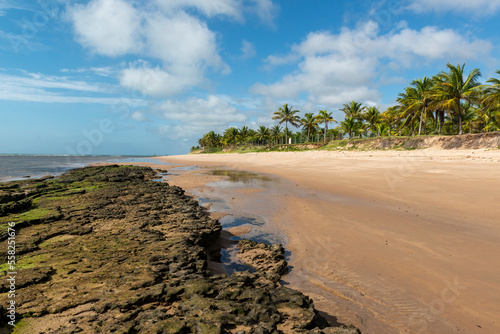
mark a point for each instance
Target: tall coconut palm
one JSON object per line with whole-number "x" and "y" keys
{"x": 407, "y": 114}
{"x": 350, "y": 125}
{"x": 276, "y": 133}
{"x": 492, "y": 93}
{"x": 244, "y": 134}
{"x": 418, "y": 100}
{"x": 308, "y": 123}
{"x": 230, "y": 136}
{"x": 353, "y": 109}
{"x": 391, "y": 118}
{"x": 288, "y": 115}
{"x": 325, "y": 117}
{"x": 382, "y": 129}
{"x": 288, "y": 133}
{"x": 372, "y": 116}
{"x": 262, "y": 134}
{"x": 453, "y": 88}
{"x": 469, "y": 115}
{"x": 210, "y": 139}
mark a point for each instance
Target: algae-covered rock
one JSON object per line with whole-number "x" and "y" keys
{"x": 268, "y": 259}
{"x": 107, "y": 249}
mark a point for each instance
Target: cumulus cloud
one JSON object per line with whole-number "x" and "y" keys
{"x": 478, "y": 7}
{"x": 183, "y": 43}
{"x": 195, "y": 116}
{"x": 156, "y": 82}
{"x": 247, "y": 49}
{"x": 337, "y": 68}
{"x": 107, "y": 27}
{"x": 180, "y": 44}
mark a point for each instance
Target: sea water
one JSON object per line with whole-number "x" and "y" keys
{"x": 15, "y": 167}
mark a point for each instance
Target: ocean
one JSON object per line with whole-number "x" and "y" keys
{"x": 16, "y": 167}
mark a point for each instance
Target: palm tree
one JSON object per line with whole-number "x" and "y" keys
{"x": 492, "y": 93}
{"x": 350, "y": 125}
{"x": 262, "y": 134}
{"x": 288, "y": 133}
{"x": 230, "y": 136}
{"x": 288, "y": 115}
{"x": 382, "y": 129}
{"x": 353, "y": 109}
{"x": 415, "y": 102}
{"x": 452, "y": 89}
{"x": 333, "y": 133}
{"x": 244, "y": 134}
{"x": 418, "y": 100}
{"x": 210, "y": 139}
{"x": 490, "y": 113}
{"x": 469, "y": 115}
{"x": 372, "y": 116}
{"x": 325, "y": 117}
{"x": 391, "y": 118}
{"x": 309, "y": 122}
{"x": 276, "y": 133}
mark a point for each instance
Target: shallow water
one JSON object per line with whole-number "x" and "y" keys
{"x": 236, "y": 176}
{"x": 219, "y": 201}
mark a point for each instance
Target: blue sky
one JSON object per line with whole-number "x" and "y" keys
{"x": 152, "y": 76}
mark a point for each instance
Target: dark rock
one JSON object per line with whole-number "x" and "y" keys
{"x": 107, "y": 249}
{"x": 268, "y": 259}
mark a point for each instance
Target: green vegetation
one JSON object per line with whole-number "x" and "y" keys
{"x": 26, "y": 262}
{"x": 450, "y": 103}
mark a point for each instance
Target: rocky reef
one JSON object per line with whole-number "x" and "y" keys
{"x": 107, "y": 249}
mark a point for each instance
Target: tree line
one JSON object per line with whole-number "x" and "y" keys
{"x": 451, "y": 102}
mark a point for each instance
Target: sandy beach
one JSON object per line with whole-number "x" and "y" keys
{"x": 390, "y": 241}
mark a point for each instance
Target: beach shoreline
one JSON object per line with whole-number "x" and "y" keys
{"x": 386, "y": 239}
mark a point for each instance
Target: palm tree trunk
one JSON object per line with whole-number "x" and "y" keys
{"x": 326, "y": 129}
{"x": 440, "y": 125}
{"x": 420, "y": 125}
{"x": 286, "y": 133}
{"x": 459, "y": 114}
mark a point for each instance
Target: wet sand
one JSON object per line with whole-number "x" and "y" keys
{"x": 393, "y": 242}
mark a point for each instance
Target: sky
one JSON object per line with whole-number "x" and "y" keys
{"x": 152, "y": 76}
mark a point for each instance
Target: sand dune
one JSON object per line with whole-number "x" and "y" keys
{"x": 391, "y": 241}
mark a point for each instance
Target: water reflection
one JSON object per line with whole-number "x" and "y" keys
{"x": 240, "y": 176}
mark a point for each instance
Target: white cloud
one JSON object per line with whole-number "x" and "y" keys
{"x": 41, "y": 81}
{"x": 9, "y": 4}
{"x": 101, "y": 71}
{"x": 478, "y": 7}
{"x": 138, "y": 116}
{"x": 183, "y": 43}
{"x": 266, "y": 10}
{"x": 35, "y": 87}
{"x": 196, "y": 116}
{"x": 247, "y": 49}
{"x": 155, "y": 81}
{"x": 230, "y": 8}
{"x": 107, "y": 27}
{"x": 337, "y": 68}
